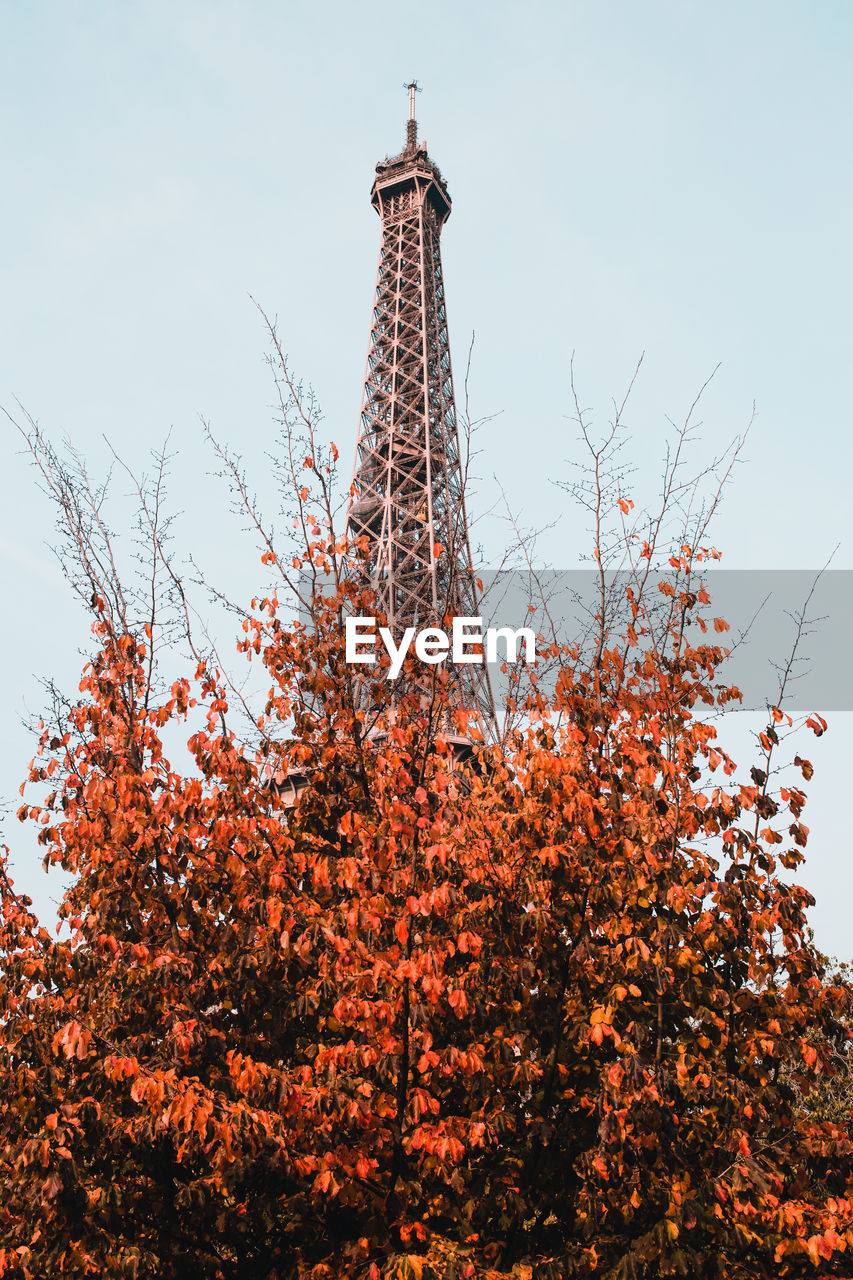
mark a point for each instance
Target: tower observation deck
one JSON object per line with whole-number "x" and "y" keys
{"x": 408, "y": 496}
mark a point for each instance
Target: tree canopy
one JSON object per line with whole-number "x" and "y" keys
{"x": 552, "y": 1013}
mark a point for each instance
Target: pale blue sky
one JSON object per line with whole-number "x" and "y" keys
{"x": 665, "y": 176}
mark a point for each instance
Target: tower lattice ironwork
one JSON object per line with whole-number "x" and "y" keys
{"x": 408, "y": 484}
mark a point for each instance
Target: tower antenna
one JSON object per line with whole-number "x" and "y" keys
{"x": 412, "y": 124}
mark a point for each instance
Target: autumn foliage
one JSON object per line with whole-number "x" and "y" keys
{"x": 553, "y": 1014}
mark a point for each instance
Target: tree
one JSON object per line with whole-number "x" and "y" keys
{"x": 553, "y": 1014}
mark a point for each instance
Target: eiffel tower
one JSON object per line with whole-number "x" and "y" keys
{"x": 408, "y": 496}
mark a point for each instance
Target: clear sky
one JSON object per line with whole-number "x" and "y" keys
{"x": 667, "y": 177}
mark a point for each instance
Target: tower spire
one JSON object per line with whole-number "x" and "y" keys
{"x": 408, "y": 487}
{"x": 412, "y": 124}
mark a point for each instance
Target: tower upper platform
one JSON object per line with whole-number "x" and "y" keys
{"x": 409, "y": 176}
{"x": 410, "y": 180}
